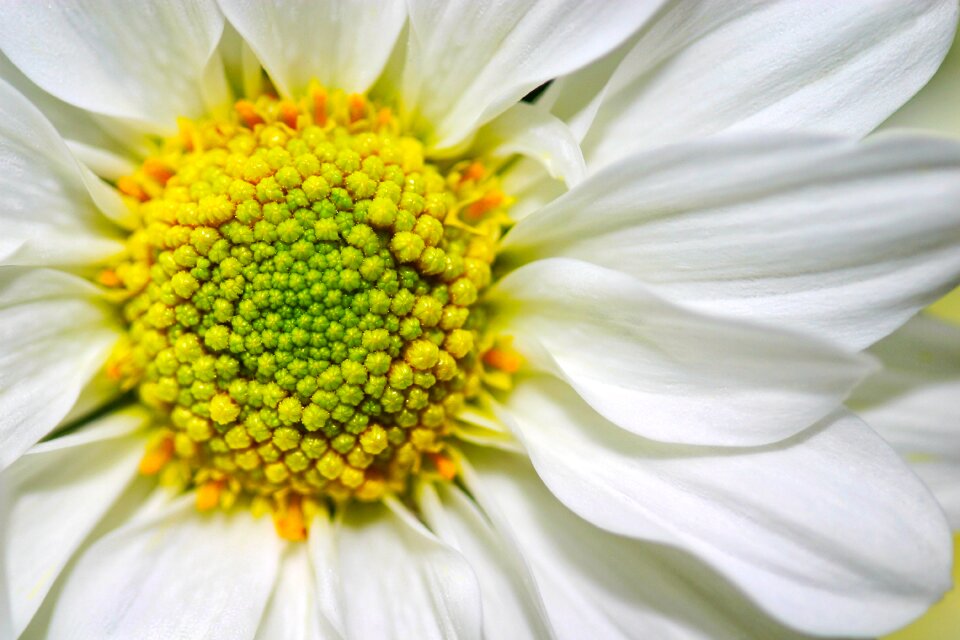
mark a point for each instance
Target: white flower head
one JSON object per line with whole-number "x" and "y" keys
{"x": 490, "y": 368}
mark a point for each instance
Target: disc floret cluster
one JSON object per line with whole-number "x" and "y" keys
{"x": 301, "y": 293}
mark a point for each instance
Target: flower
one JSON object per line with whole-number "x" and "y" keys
{"x": 650, "y": 441}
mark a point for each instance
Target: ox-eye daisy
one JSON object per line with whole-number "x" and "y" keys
{"x": 330, "y": 355}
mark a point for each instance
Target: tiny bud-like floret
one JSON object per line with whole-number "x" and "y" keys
{"x": 422, "y": 354}
{"x": 223, "y": 409}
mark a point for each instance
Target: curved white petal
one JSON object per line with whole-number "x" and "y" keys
{"x": 533, "y": 133}
{"x": 914, "y": 403}
{"x": 829, "y": 532}
{"x": 511, "y": 603}
{"x": 54, "y": 334}
{"x": 942, "y": 477}
{"x": 58, "y": 492}
{"x": 179, "y": 574}
{"x": 914, "y": 400}
{"x": 702, "y": 67}
{"x": 935, "y": 106}
{"x": 99, "y": 144}
{"x": 466, "y": 62}
{"x": 244, "y": 72}
{"x": 48, "y": 202}
{"x": 6, "y": 604}
{"x": 343, "y": 44}
{"x": 666, "y": 372}
{"x": 328, "y": 595}
{"x": 291, "y": 613}
{"x": 835, "y": 237}
{"x": 148, "y": 63}
{"x": 596, "y": 584}
{"x": 399, "y": 581}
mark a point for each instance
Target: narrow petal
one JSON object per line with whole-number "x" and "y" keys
{"x": 328, "y": 595}
{"x": 704, "y": 67}
{"x": 58, "y": 492}
{"x": 829, "y": 532}
{"x": 511, "y": 604}
{"x": 666, "y": 372}
{"x": 344, "y": 45}
{"x": 291, "y": 613}
{"x": 596, "y": 584}
{"x": 913, "y": 401}
{"x": 844, "y": 239}
{"x": 6, "y": 605}
{"x": 400, "y": 582}
{"x": 48, "y": 202}
{"x": 467, "y": 62}
{"x": 54, "y": 334}
{"x": 935, "y": 106}
{"x": 147, "y": 64}
{"x": 179, "y": 574}
{"x": 533, "y": 133}
{"x": 942, "y": 477}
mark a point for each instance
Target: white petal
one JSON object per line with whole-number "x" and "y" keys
{"x": 914, "y": 400}
{"x": 705, "y": 67}
{"x": 467, "y": 62}
{"x": 58, "y": 492}
{"x": 343, "y": 44}
{"x": 942, "y": 477}
{"x": 240, "y": 63}
{"x": 6, "y": 605}
{"x": 829, "y": 532}
{"x": 291, "y": 613}
{"x": 935, "y": 106}
{"x": 511, "y": 604}
{"x": 600, "y": 585}
{"x": 400, "y": 582}
{"x": 844, "y": 239}
{"x": 328, "y": 596}
{"x": 666, "y": 372}
{"x": 97, "y": 143}
{"x": 913, "y": 403}
{"x": 148, "y": 63}
{"x": 179, "y": 574}
{"x": 54, "y": 334}
{"x": 47, "y": 208}
{"x": 527, "y": 131}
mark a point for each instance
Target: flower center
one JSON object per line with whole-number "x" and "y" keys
{"x": 301, "y": 299}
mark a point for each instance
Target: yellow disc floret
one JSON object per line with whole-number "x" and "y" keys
{"x": 302, "y": 302}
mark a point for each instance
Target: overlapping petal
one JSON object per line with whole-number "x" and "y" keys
{"x": 913, "y": 403}
{"x": 172, "y": 574}
{"x": 512, "y": 605}
{"x": 48, "y": 202}
{"x": 54, "y": 335}
{"x": 291, "y": 613}
{"x": 342, "y": 44}
{"x": 399, "y": 581}
{"x": 466, "y": 62}
{"x": 147, "y": 64}
{"x": 596, "y": 584}
{"x": 793, "y": 525}
{"x": 103, "y": 145}
{"x": 58, "y": 492}
{"x": 664, "y": 371}
{"x": 702, "y": 67}
{"x": 935, "y": 106}
{"x": 843, "y": 239}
